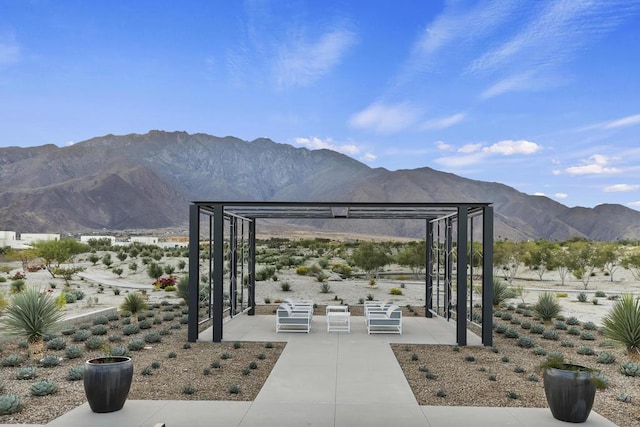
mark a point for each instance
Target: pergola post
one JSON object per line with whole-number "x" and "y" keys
{"x": 194, "y": 271}
{"x": 233, "y": 261}
{"x": 428, "y": 305}
{"x": 487, "y": 276}
{"x": 461, "y": 277}
{"x": 218, "y": 271}
{"x": 252, "y": 267}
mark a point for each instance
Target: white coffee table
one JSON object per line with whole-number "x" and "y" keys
{"x": 338, "y": 318}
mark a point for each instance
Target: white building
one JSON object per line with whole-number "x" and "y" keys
{"x": 28, "y": 238}
{"x": 145, "y": 240}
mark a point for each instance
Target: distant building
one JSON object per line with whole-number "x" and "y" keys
{"x": 145, "y": 240}
{"x": 8, "y": 235}
{"x": 28, "y": 238}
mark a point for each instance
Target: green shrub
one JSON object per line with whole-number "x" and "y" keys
{"x": 606, "y": 358}
{"x": 73, "y": 352}
{"x": 189, "y": 389}
{"x": 57, "y": 343}
{"x": 49, "y": 361}
{"x": 152, "y": 337}
{"x": 27, "y": 373}
{"x": 130, "y": 329}
{"x": 81, "y": 335}
{"x": 234, "y": 389}
{"x": 547, "y": 307}
{"x": 395, "y": 291}
{"x": 146, "y": 371}
{"x": 10, "y": 404}
{"x": 115, "y": 338}
{"x": 99, "y": 330}
{"x": 573, "y": 330}
{"x": 587, "y": 336}
{"x": 145, "y": 324}
{"x": 567, "y": 343}
{"x": 622, "y": 323}
{"x": 586, "y": 350}
{"x": 136, "y": 345}
{"x": 630, "y": 369}
{"x": 31, "y": 315}
{"x": 590, "y": 326}
{"x": 525, "y": 342}
{"x": 582, "y": 297}
{"x": 120, "y": 350}
{"x": 134, "y": 303}
{"x": 285, "y": 286}
{"x": 43, "y": 388}
{"x": 550, "y": 334}
{"x": 101, "y": 320}
{"x": 600, "y": 294}
{"x": 302, "y": 270}
{"x": 511, "y": 333}
{"x": 93, "y": 343}
{"x": 12, "y": 360}
{"x": 537, "y": 328}
{"x": 75, "y": 373}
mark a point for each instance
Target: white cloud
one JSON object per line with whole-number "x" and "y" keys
{"x": 561, "y": 195}
{"x": 300, "y": 63}
{"x": 518, "y": 82}
{"x": 594, "y": 165}
{"x": 352, "y": 150}
{"x": 634, "y": 204}
{"x": 616, "y": 123}
{"x": 386, "y": 118}
{"x": 557, "y": 172}
{"x": 470, "y": 148}
{"x": 443, "y": 146}
{"x": 461, "y": 161}
{"x": 443, "y": 122}
{"x": 621, "y": 188}
{"x": 510, "y": 147}
{"x": 538, "y": 194}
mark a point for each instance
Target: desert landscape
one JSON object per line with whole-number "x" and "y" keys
{"x": 504, "y": 375}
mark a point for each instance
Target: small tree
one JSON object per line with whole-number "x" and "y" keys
{"x": 154, "y": 270}
{"x": 58, "y": 251}
{"x": 370, "y": 257}
{"x": 117, "y": 271}
{"x": 414, "y": 256}
{"x": 106, "y": 260}
{"x": 631, "y": 261}
{"x": 121, "y": 256}
{"x": 93, "y": 259}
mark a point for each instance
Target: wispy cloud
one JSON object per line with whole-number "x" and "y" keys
{"x": 300, "y": 62}
{"x": 443, "y": 122}
{"x": 473, "y": 153}
{"x": 597, "y": 164}
{"x": 616, "y": 188}
{"x": 352, "y": 150}
{"x": 386, "y": 118}
{"x": 561, "y": 195}
{"x": 634, "y": 204}
{"x": 615, "y": 123}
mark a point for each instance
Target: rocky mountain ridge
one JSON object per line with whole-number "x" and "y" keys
{"x": 146, "y": 182}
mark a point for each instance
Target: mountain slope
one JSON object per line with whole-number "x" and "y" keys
{"x": 146, "y": 181}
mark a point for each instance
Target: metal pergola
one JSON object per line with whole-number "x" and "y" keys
{"x": 226, "y": 231}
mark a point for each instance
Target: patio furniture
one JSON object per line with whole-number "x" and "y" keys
{"x": 300, "y": 306}
{"x": 375, "y": 307}
{"x": 338, "y": 318}
{"x": 389, "y": 321}
{"x": 288, "y": 320}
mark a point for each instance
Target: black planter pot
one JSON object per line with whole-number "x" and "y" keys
{"x": 107, "y": 381}
{"x": 570, "y": 392}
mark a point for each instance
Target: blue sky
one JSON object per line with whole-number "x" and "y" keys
{"x": 543, "y": 96}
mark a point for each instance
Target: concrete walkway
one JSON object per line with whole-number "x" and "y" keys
{"x": 325, "y": 379}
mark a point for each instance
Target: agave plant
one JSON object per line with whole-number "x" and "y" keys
{"x": 31, "y": 315}
{"x": 134, "y": 303}
{"x": 622, "y": 323}
{"x": 547, "y": 307}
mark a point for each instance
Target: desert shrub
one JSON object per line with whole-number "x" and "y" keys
{"x": 547, "y": 307}
{"x": 73, "y": 352}
{"x": 75, "y": 373}
{"x": 500, "y": 292}
{"x": 120, "y": 350}
{"x": 50, "y": 361}
{"x": 630, "y": 369}
{"x": 537, "y": 328}
{"x": 600, "y": 294}
{"x": 101, "y": 320}
{"x": 134, "y": 303}
{"x": 550, "y": 334}
{"x": 130, "y": 329}
{"x": 234, "y": 389}
{"x": 43, "y": 388}
{"x": 525, "y": 325}
{"x": 68, "y": 331}
{"x": 152, "y": 337}
{"x": 567, "y": 343}
{"x": 10, "y": 404}
{"x": 99, "y": 330}
{"x": 511, "y": 333}
{"x": 31, "y": 315}
{"x": 57, "y": 343}
{"x": 302, "y": 270}
{"x": 561, "y": 326}
{"x": 589, "y": 326}
{"x": 17, "y": 286}
{"x": 136, "y": 345}
{"x": 622, "y": 323}
{"x": 395, "y": 291}
{"x": 285, "y": 286}
{"x": 189, "y": 389}
{"x": 525, "y": 341}
{"x": 606, "y": 358}
{"x": 507, "y": 316}
{"x": 539, "y": 351}
{"x": 573, "y": 330}
{"x": 325, "y": 288}
{"x": 145, "y": 324}
{"x": 587, "y": 336}
{"x": 582, "y": 297}
{"x": 93, "y": 343}
{"x": 501, "y": 328}
{"x": 27, "y": 373}
{"x": 585, "y": 350}
{"x": 81, "y": 335}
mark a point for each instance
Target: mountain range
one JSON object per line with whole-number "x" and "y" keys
{"x": 124, "y": 182}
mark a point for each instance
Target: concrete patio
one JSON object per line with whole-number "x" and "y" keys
{"x": 325, "y": 379}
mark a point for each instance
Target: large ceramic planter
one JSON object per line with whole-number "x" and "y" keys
{"x": 107, "y": 381}
{"x": 570, "y": 392}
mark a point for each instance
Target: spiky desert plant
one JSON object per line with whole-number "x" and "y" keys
{"x": 10, "y": 404}
{"x": 31, "y": 315}
{"x": 547, "y": 307}
{"x": 134, "y": 303}
{"x": 43, "y": 388}
{"x": 622, "y": 324}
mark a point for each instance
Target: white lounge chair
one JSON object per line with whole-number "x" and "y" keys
{"x": 288, "y": 320}
{"x": 375, "y": 307}
{"x": 389, "y": 321}
{"x": 300, "y": 306}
